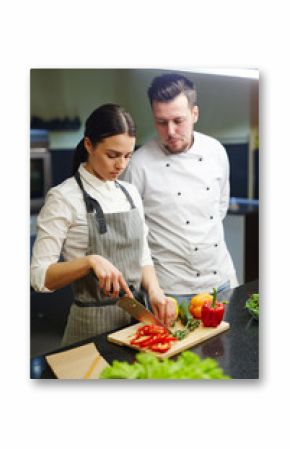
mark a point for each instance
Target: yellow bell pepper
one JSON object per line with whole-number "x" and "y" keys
{"x": 176, "y": 305}
{"x": 197, "y": 302}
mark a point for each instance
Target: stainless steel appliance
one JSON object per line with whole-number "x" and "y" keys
{"x": 40, "y": 170}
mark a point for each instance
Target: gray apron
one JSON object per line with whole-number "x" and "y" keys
{"x": 117, "y": 237}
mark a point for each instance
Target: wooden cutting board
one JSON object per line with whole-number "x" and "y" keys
{"x": 83, "y": 362}
{"x": 195, "y": 337}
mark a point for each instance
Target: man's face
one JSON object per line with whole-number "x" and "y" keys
{"x": 174, "y": 121}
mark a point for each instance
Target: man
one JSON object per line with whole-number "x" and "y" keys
{"x": 183, "y": 178}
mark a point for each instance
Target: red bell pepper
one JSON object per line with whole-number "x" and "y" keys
{"x": 212, "y": 313}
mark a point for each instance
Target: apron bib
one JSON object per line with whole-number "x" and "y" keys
{"x": 117, "y": 237}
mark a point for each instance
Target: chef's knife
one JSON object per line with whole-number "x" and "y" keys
{"x": 138, "y": 311}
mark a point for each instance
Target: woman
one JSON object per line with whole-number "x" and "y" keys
{"x": 97, "y": 224}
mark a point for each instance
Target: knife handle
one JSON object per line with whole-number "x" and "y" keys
{"x": 123, "y": 293}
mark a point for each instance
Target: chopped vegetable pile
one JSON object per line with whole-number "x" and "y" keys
{"x": 147, "y": 366}
{"x": 153, "y": 337}
{"x": 252, "y": 305}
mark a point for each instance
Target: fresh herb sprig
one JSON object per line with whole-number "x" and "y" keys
{"x": 190, "y": 326}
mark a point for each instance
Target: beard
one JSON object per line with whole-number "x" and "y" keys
{"x": 182, "y": 147}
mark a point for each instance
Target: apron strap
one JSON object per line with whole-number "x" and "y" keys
{"x": 127, "y": 195}
{"x": 92, "y": 205}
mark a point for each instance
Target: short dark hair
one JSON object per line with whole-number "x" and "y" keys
{"x": 106, "y": 121}
{"x": 166, "y": 87}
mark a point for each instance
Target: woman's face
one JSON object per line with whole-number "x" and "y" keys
{"x": 109, "y": 158}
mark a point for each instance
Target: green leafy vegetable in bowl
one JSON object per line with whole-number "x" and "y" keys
{"x": 147, "y": 366}
{"x": 252, "y": 305}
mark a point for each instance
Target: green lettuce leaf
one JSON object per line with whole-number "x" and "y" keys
{"x": 147, "y": 366}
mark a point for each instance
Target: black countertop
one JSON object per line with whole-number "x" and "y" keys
{"x": 236, "y": 350}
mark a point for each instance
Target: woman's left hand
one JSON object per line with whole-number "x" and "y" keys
{"x": 163, "y": 308}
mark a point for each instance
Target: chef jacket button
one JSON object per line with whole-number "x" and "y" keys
{"x": 208, "y": 188}
{"x": 200, "y": 159}
{"x": 187, "y": 222}
{"x": 211, "y": 217}
{"x": 167, "y": 165}
{"x": 196, "y": 248}
{"x": 197, "y": 274}
{"x": 215, "y": 272}
{"x": 215, "y": 244}
{"x": 179, "y": 193}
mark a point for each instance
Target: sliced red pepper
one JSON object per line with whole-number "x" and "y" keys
{"x": 148, "y": 342}
{"x": 143, "y": 330}
{"x": 137, "y": 340}
{"x": 145, "y": 341}
{"x": 155, "y": 338}
{"x": 164, "y": 338}
{"x": 151, "y": 330}
{"x": 160, "y": 347}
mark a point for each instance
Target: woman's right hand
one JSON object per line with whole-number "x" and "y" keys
{"x": 111, "y": 280}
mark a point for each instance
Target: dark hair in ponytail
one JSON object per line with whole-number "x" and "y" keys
{"x": 106, "y": 121}
{"x": 80, "y": 155}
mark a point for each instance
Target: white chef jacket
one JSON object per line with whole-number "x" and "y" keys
{"x": 62, "y": 224}
{"x": 185, "y": 198}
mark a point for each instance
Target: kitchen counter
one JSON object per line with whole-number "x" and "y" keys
{"x": 236, "y": 350}
{"x": 243, "y": 206}
{"x": 241, "y": 229}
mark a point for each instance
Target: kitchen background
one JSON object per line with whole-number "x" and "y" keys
{"x": 61, "y": 100}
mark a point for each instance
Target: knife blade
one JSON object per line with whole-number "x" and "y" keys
{"x": 138, "y": 311}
